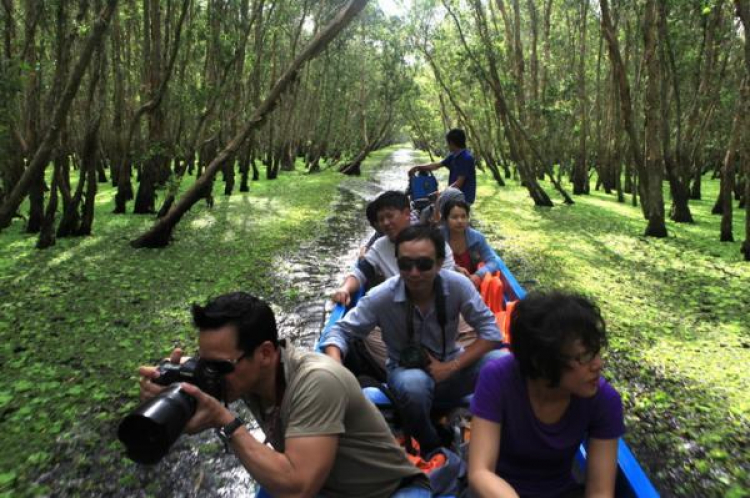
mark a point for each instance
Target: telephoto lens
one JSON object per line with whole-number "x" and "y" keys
{"x": 151, "y": 429}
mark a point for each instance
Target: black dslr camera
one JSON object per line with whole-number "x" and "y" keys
{"x": 149, "y": 431}
{"x": 413, "y": 356}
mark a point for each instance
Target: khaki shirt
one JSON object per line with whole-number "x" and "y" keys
{"x": 323, "y": 398}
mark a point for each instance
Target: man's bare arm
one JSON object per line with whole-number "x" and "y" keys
{"x": 299, "y": 472}
{"x": 343, "y": 294}
{"x": 425, "y": 167}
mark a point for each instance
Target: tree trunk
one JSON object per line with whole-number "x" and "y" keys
{"x": 689, "y": 154}
{"x": 41, "y": 157}
{"x": 728, "y": 170}
{"x": 71, "y": 216}
{"x": 646, "y": 176}
{"x": 32, "y": 117}
{"x": 580, "y": 170}
{"x": 89, "y": 160}
{"x": 513, "y": 133}
{"x": 743, "y": 12}
{"x": 245, "y": 158}
{"x": 654, "y": 161}
{"x": 152, "y": 173}
{"x": 116, "y": 148}
{"x": 676, "y": 173}
{"x": 160, "y": 234}
{"x": 47, "y": 230}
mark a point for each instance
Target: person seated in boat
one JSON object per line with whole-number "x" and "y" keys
{"x": 431, "y": 215}
{"x": 532, "y": 409}
{"x": 417, "y": 312}
{"x": 392, "y": 215}
{"x": 473, "y": 255}
{"x": 459, "y": 162}
{"x": 326, "y": 438}
{"x": 372, "y": 219}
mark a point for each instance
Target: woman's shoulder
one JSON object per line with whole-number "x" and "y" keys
{"x": 474, "y": 235}
{"x": 607, "y": 394}
{"x": 504, "y": 368}
{"x": 607, "y": 418}
{"x": 605, "y": 403}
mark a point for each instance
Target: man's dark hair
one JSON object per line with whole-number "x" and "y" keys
{"x": 457, "y": 137}
{"x": 390, "y": 199}
{"x": 450, "y": 205}
{"x": 372, "y": 216}
{"x": 253, "y": 318}
{"x": 423, "y": 232}
{"x": 545, "y": 323}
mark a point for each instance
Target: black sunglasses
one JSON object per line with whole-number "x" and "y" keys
{"x": 220, "y": 367}
{"x": 422, "y": 264}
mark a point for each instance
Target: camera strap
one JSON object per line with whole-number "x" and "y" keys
{"x": 273, "y": 416}
{"x": 439, "y": 311}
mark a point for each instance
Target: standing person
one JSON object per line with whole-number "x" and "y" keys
{"x": 533, "y": 409}
{"x": 418, "y": 313}
{"x": 470, "y": 248}
{"x": 459, "y": 162}
{"x": 326, "y": 438}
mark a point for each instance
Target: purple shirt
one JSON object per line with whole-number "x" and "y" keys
{"x": 536, "y": 458}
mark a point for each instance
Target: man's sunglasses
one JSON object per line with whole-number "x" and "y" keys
{"x": 422, "y": 264}
{"x": 220, "y": 367}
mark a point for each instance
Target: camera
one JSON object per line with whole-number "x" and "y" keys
{"x": 413, "y": 356}
{"x": 151, "y": 429}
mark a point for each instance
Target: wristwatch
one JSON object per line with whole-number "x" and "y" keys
{"x": 225, "y": 433}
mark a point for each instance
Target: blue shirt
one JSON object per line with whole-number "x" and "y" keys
{"x": 461, "y": 163}
{"x": 386, "y": 306}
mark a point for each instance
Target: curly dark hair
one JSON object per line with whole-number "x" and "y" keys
{"x": 545, "y": 323}
{"x": 253, "y": 318}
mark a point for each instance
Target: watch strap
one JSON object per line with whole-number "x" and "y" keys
{"x": 225, "y": 433}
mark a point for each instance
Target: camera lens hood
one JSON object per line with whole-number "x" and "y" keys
{"x": 151, "y": 429}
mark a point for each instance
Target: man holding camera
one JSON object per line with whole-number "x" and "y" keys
{"x": 327, "y": 438}
{"x": 418, "y": 312}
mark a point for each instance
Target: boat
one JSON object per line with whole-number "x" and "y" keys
{"x": 499, "y": 295}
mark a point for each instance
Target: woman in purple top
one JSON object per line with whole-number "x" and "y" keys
{"x": 532, "y": 409}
